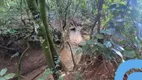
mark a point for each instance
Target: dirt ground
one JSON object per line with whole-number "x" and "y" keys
{"x": 34, "y": 64}
{"x": 33, "y": 59}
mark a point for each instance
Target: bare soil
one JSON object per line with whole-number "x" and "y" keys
{"x": 34, "y": 64}
{"x": 33, "y": 59}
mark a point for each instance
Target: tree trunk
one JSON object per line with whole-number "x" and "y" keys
{"x": 44, "y": 33}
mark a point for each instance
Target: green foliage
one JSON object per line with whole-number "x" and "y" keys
{"x": 122, "y": 28}
{"x": 71, "y": 8}
{"x": 129, "y": 54}
{"x": 46, "y": 73}
{"x": 6, "y": 76}
{"x": 60, "y": 78}
{"x": 8, "y": 31}
{"x": 119, "y": 36}
{"x": 9, "y": 11}
{"x": 95, "y": 48}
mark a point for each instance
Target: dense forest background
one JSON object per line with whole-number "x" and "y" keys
{"x": 68, "y": 39}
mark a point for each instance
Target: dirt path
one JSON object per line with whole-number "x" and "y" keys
{"x": 33, "y": 59}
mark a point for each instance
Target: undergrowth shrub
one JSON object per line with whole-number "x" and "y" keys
{"x": 6, "y": 76}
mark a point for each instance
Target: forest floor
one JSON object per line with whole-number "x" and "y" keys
{"x": 34, "y": 63}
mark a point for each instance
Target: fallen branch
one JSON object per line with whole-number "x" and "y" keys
{"x": 100, "y": 4}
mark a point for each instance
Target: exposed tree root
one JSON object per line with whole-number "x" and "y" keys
{"x": 19, "y": 63}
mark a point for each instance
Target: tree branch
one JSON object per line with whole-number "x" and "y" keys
{"x": 100, "y": 5}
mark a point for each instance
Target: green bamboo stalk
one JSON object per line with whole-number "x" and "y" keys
{"x": 44, "y": 19}
{"x": 48, "y": 35}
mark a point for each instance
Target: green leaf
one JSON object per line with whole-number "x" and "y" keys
{"x": 85, "y": 47}
{"x": 105, "y": 6}
{"x": 99, "y": 36}
{"x": 79, "y": 51}
{"x": 129, "y": 54}
{"x": 9, "y": 76}
{"x": 83, "y": 2}
{"x": 100, "y": 45}
{"x": 60, "y": 78}
{"x": 90, "y": 42}
{"x": 11, "y": 31}
{"x": 3, "y": 71}
{"x": 82, "y": 43}
{"x": 109, "y": 31}
{"x": 1, "y": 2}
{"x": 1, "y": 78}
{"x": 108, "y": 44}
{"x": 40, "y": 79}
